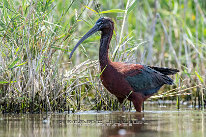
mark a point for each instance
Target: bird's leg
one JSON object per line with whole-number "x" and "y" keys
{"x": 138, "y": 105}
{"x": 137, "y": 100}
{"x": 121, "y": 100}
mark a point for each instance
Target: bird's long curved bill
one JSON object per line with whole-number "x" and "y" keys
{"x": 89, "y": 33}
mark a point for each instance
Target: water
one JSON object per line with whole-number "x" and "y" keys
{"x": 157, "y": 121}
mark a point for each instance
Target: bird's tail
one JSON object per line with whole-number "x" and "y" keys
{"x": 165, "y": 71}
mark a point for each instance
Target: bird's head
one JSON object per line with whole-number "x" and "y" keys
{"x": 102, "y": 24}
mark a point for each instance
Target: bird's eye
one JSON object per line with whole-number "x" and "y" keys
{"x": 100, "y": 23}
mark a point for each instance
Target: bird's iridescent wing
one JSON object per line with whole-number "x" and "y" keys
{"x": 147, "y": 80}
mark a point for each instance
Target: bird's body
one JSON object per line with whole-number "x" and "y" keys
{"x": 114, "y": 80}
{"x": 132, "y": 81}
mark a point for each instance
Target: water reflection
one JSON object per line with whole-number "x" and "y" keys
{"x": 159, "y": 122}
{"x": 138, "y": 127}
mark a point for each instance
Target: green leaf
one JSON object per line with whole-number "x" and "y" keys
{"x": 132, "y": 6}
{"x": 120, "y": 18}
{"x": 186, "y": 72}
{"x": 112, "y": 11}
{"x": 107, "y": 11}
{"x": 91, "y": 9}
{"x": 6, "y": 4}
{"x": 13, "y": 63}
{"x": 5, "y": 82}
{"x": 199, "y": 77}
{"x": 175, "y": 8}
{"x": 16, "y": 50}
{"x": 21, "y": 64}
{"x": 44, "y": 68}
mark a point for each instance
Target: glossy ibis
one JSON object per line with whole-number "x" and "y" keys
{"x": 132, "y": 81}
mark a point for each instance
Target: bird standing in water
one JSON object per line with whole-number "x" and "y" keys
{"x": 134, "y": 82}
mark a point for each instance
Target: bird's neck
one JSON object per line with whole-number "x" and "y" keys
{"x": 104, "y": 46}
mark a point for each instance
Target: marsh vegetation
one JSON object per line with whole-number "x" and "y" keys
{"x": 36, "y": 38}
